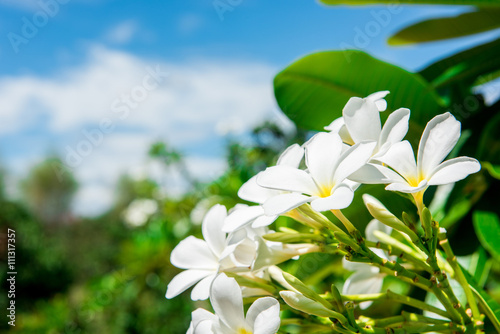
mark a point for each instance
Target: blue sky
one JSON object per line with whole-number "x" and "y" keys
{"x": 64, "y": 74}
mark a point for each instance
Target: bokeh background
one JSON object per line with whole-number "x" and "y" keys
{"x": 122, "y": 122}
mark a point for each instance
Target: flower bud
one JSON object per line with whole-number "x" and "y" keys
{"x": 303, "y": 289}
{"x": 380, "y": 212}
{"x": 288, "y": 238}
{"x": 299, "y": 302}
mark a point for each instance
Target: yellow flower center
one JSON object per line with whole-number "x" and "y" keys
{"x": 243, "y": 331}
{"x": 412, "y": 181}
{"x": 324, "y": 191}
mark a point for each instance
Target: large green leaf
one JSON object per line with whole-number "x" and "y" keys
{"x": 464, "y": 67}
{"x": 414, "y": 2}
{"x": 313, "y": 90}
{"x": 487, "y": 226}
{"x": 469, "y": 23}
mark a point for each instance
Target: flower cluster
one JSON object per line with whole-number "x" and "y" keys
{"x": 322, "y": 175}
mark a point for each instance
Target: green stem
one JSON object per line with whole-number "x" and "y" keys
{"x": 417, "y": 280}
{"x": 392, "y": 296}
{"x": 405, "y": 251}
{"x": 413, "y": 323}
{"x": 444, "y": 284}
{"x": 459, "y": 275}
{"x": 353, "y": 231}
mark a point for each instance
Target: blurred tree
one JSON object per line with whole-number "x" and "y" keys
{"x": 2, "y": 182}
{"x": 49, "y": 190}
{"x": 171, "y": 159}
{"x": 42, "y": 267}
{"x": 128, "y": 189}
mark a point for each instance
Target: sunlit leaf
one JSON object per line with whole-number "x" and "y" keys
{"x": 469, "y": 23}
{"x": 313, "y": 90}
{"x": 487, "y": 226}
{"x": 466, "y": 67}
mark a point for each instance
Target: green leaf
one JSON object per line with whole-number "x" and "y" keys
{"x": 486, "y": 78}
{"x": 480, "y": 20}
{"x": 466, "y": 67}
{"x": 479, "y": 266}
{"x": 487, "y": 226}
{"x": 414, "y": 2}
{"x": 313, "y": 90}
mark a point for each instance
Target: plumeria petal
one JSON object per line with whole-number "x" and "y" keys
{"x": 184, "y": 281}
{"x": 201, "y": 291}
{"x": 287, "y": 179}
{"x": 268, "y": 254}
{"x": 264, "y": 220}
{"x": 406, "y": 188}
{"x": 378, "y": 98}
{"x": 244, "y": 253}
{"x": 264, "y": 316}
{"x": 391, "y": 176}
{"x": 375, "y": 225}
{"x": 335, "y": 125}
{"x": 284, "y": 203}
{"x": 212, "y": 228}
{"x": 226, "y": 300}
{"x": 252, "y": 192}
{"x": 362, "y": 119}
{"x": 454, "y": 170}
{"x": 354, "y": 266}
{"x": 341, "y": 198}
{"x": 206, "y": 327}
{"x": 202, "y": 320}
{"x": 395, "y": 128}
{"x": 439, "y": 137}
{"x": 353, "y": 159}
{"x": 338, "y": 126}
{"x": 241, "y": 217}
{"x": 292, "y": 156}
{"x": 400, "y": 157}
{"x": 363, "y": 282}
{"x": 193, "y": 253}
{"x": 322, "y": 154}
{"x": 372, "y": 174}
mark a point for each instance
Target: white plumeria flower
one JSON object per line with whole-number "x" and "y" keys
{"x": 360, "y": 121}
{"x": 366, "y": 279}
{"x": 438, "y": 139}
{"x": 252, "y": 192}
{"x": 248, "y": 249}
{"x": 225, "y": 296}
{"x": 324, "y": 183}
{"x": 270, "y": 253}
{"x": 203, "y": 259}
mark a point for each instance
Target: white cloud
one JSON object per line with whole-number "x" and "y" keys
{"x": 123, "y": 32}
{"x": 192, "y": 108}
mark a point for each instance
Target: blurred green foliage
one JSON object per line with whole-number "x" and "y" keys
{"x": 83, "y": 275}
